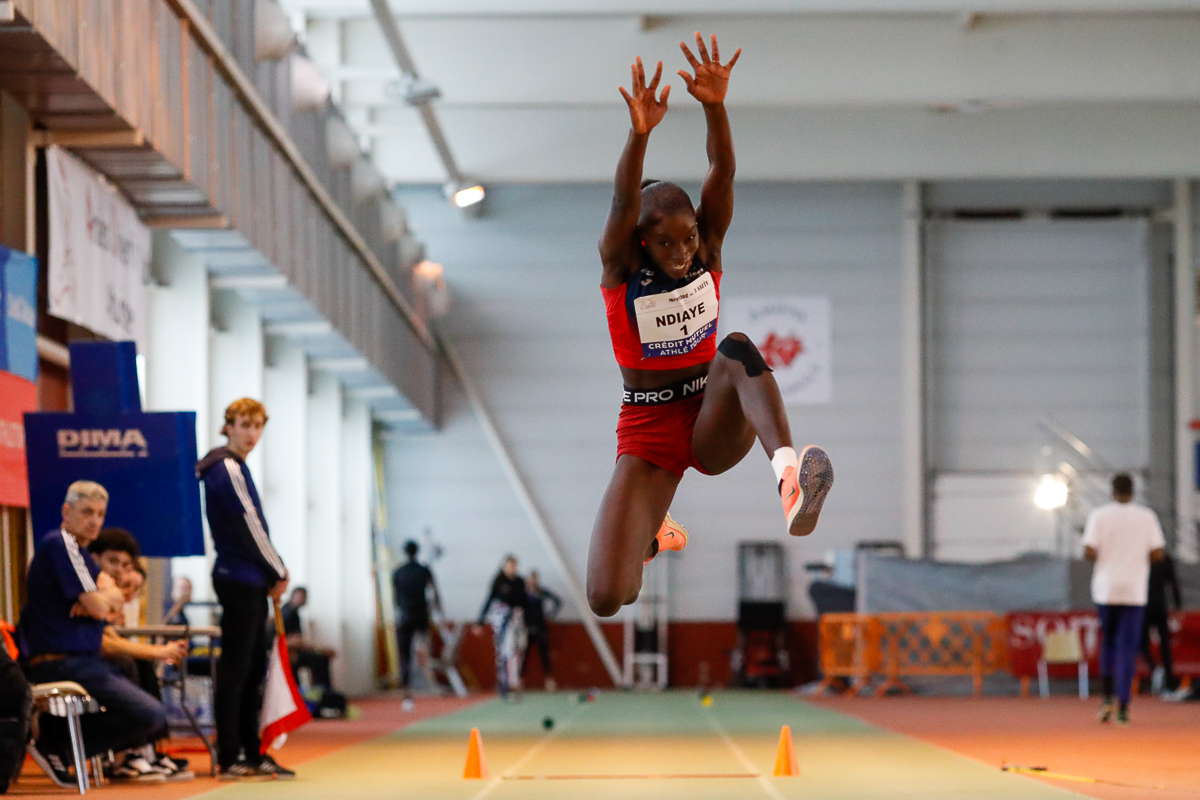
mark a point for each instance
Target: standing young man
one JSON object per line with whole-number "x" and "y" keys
{"x": 246, "y": 574}
{"x": 1121, "y": 538}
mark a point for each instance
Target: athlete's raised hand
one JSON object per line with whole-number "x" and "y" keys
{"x": 711, "y": 80}
{"x": 645, "y": 111}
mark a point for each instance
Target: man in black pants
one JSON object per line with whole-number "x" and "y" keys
{"x": 410, "y": 581}
{"x": 1162, "y": 576}
{"x": 538, "y": 631}
{"x": 247, "y": 573}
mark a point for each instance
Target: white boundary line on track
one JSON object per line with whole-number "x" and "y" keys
{"x": 763, "y": 780}
{"x": 537, "y": 747}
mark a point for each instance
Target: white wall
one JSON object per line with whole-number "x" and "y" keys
{"x": 177, "y": 363}
{"x": 528, "y": 321}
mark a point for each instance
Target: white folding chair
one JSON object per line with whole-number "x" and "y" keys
{"x": 1062, "y": 648}
{"x": 69, "y": 699}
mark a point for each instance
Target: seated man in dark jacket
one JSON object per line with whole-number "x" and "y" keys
{"x": 69, "y": 604}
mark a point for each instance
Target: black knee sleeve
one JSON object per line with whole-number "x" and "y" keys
{"x": 744, "y": 351}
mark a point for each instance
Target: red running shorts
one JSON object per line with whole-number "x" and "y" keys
{"x": 661, "y": 434}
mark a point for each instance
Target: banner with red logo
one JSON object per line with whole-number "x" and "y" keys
{"x": 794, "y": 335}
{"x": 17, "y": 396}
{"x": 1027, "y": 631}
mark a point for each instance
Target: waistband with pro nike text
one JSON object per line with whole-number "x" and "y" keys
{"x": 665, "y": 394}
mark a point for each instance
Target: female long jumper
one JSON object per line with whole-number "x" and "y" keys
{"x": 688, "y": 402}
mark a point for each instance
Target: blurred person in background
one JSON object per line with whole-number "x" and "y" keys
{"x": 1162, "y": 578}
{"x": 247, "y": 575}
{"x": 541, "y": 605}
{"x": 310, "y": 661}
{"x": 117, "y": 552}
{"x": 504, "y": 608}
{"x": 1121, "y": 538}
{"x": 412, "y": 585}
{"x": 16, "y": 708}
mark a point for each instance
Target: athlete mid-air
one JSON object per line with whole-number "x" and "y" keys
{"x": 688, "y": 401}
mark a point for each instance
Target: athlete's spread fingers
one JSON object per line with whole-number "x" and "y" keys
{"x": 687, "y": 81}
{"x": 688, "y": 55}
{"x": 625, "y": 94}
{"x": 700, "y": 46}
{"x": 662, "y": 99}
{"x": 641, "y": 73}
{"x": 716, "y": 51}
{"x": 733, "y": 60}
{"x": 657, "y": 76}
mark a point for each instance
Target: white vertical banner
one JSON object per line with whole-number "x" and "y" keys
{"x": 794, "y": 335}
{"x": 99, "y": 252}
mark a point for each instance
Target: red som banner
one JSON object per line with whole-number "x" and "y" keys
{"x": 1027, "y": 630}
{"x": 17, "y": 396}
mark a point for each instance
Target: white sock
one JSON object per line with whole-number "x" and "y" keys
{"x": 784, "y": 457}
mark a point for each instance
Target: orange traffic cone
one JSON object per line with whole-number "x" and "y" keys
{"x": 476, "y": 764}
{"x": 785, "y": 757}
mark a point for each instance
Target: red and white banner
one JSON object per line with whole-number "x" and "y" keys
{"x": 795, "y": 337}
{"x": 99, "y": 252}
{"x": 283, "y": 708}
{"x": 17, "y": 396}
{"x": 1027, "y": 631}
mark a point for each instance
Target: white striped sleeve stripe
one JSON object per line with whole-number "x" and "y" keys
{"x": 81, "y": 570}
{"x": 252, "y": 519}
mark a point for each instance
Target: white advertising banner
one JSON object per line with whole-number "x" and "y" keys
{"x": 99, "y": 252}
{"x": 794, "y": 335}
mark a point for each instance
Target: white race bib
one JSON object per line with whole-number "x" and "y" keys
{"x": 674, "y": 323}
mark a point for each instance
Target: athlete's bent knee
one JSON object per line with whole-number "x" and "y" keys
{"x": 604, "y": 602}
{"x": 737, "y": 346}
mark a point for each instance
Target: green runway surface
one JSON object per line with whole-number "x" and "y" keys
{"x": 624, "y": 735}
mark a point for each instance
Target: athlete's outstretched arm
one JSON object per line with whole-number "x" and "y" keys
{"x": 645, "y": 112}
{"x": 709, "y": 85}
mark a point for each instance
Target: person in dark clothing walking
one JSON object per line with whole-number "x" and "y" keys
{"x": 248, "y": 573}
{"x": 411, "y": 583}
{"x": 536, "y": 614}
{"x": 505, "y": 610}
{"x": 1162, "y": 577}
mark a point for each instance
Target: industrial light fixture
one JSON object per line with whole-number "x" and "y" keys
{"x": 414, "y": 91}
{"x": 1051, "y": 493}
{"x": 469, "y": 196}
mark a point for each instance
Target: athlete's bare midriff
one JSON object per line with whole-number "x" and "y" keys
{"x": 657, "y": 378}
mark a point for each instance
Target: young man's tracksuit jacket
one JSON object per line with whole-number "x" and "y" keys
{"x": 235, "y": 517}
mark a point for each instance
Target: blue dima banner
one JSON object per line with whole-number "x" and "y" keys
{"x": 146, "y": 461}
{"x": 18, "y": 314}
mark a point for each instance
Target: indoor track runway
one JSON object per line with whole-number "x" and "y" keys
{"x": 847, "y": 749}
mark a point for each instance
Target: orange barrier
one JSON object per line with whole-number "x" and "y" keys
{"x": 849, "y": 648}
{"x": 924, "y": 643}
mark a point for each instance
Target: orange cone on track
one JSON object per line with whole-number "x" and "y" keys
{"x": 785, "y": 758}
{"x": 476, "y": 767}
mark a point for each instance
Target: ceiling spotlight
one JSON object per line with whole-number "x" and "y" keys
{"x": 1051, "y": 493}
{"x": 469, "y": 196}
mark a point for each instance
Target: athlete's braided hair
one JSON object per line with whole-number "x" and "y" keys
{"x": 660, "y": 198}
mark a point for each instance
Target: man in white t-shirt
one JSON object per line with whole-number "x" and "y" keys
{"x": 1121, "y": 538}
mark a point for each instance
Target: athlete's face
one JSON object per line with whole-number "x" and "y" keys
{"x": 672, "y": 241}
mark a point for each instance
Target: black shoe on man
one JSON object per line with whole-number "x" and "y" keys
{"x": 54, "y": 765}
{"x": 268, "y": 766}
